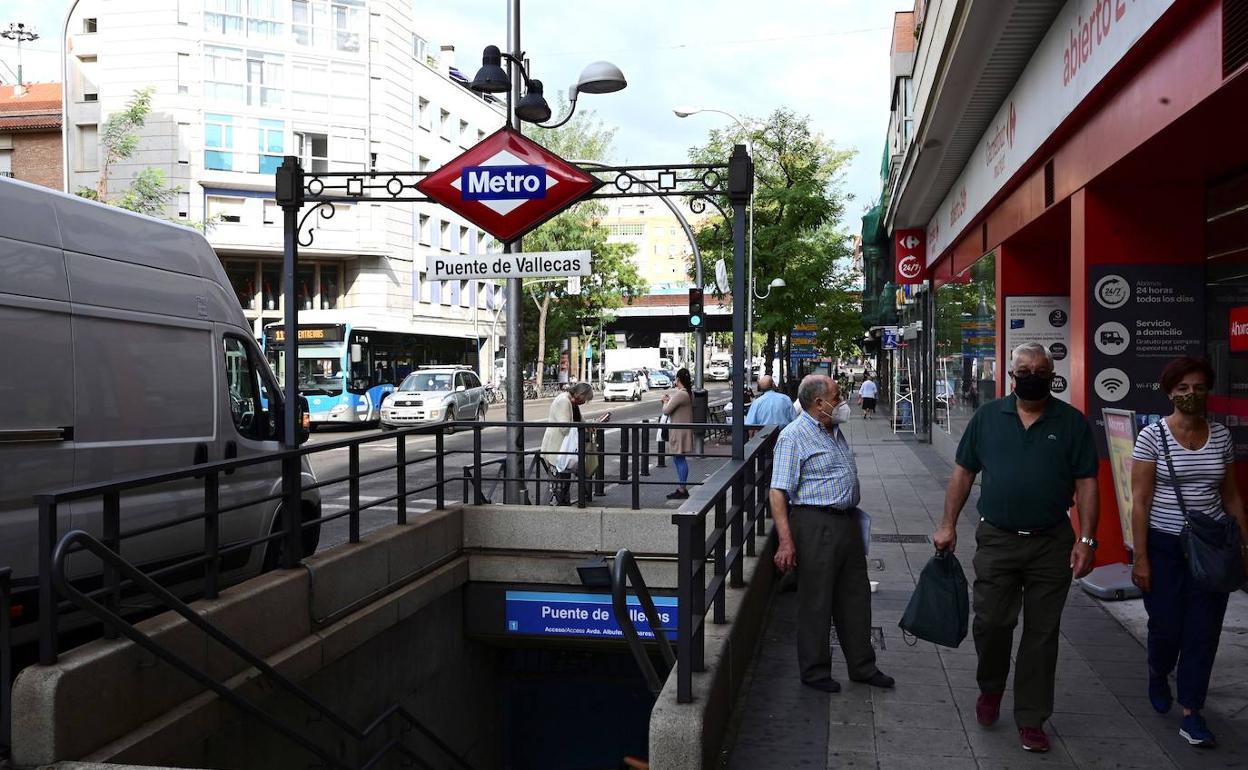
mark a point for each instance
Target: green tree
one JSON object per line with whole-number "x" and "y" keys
{"x": 149, "y": 192}
{"x": 614, "y": 277}
{"x": 799, "y": 200}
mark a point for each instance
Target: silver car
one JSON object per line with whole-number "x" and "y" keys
{"x": 435, "y": 394}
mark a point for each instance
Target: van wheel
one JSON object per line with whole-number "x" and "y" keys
{"x": 310, "y": 539}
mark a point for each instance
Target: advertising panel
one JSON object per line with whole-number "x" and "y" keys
{"x": 1120, "y": 433}
{"x": 1139, "y": 318}
{"x": 1046, "y": 320}
{"x": 911, "y": 266}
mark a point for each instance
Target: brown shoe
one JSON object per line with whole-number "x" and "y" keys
{"x": 1034, "y": 739}
{"x": 988, "y": 709}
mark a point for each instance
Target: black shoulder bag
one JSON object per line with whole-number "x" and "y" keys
{"x": 1210, "y": 547}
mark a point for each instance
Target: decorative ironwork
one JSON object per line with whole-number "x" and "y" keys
{"x": 693, "y": 180}
{"x": 698, "y": 203}
{"x": 350, "y": 186}
{"x": 327, "y": 210}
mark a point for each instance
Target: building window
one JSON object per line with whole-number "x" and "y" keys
{"x": 266, "y": 19}
{"x": 444, "y": 125}
{"x": 311, "y": 86}
{"x": 226, "y": 209}
{"x": 184, "y": 74}
{"x": 463, "y": 240}
{"x": 184, "y": 205}
{"x": 331, "y": 286}
{"x": 265, "y": 85}
{"x": 271, "y": 144}
{"x": 422, "y": 115}
{"x": 348, "y": 88}
{"x": 420, "y": 48}
{"x": 223, "y": 74}
{"x": 444, "y": 236}
{"x": 223, "y": 17}
{"x": 89, "y": 147}
{"x": 219, "y": 142}
{"x": 6, "y": 163}
{"x": 272, "y": 213}
{"x": 87, "y": 89}
{"x": 480, "y": 135}
{"x": 242, "y": 277}
{"x": 347, "y": 24}
{"x": 313, "y": 151}
{"x": 316, "y": 22}
{"x": 90, "y": 26}
{"x": 463, "y": 133}
{"x": 422, "y": 164}
{"x": 184, "y": 143}
{"x": 424, "y": 229}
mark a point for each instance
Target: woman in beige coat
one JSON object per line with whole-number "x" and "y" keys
{"x": 678, "y": 406}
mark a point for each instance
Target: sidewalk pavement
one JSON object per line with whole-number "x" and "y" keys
{"x": 1102, "y": 717}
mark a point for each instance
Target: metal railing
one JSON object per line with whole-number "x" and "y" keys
{"x": 77, "y": 540}
{"x": 294, "y": 529}
{"x": 6, "y": 661}
{"x": 734, "y": 498}
{"x": 623, "y": 572}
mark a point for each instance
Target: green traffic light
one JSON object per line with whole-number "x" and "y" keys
{"x": 695, "y": 320}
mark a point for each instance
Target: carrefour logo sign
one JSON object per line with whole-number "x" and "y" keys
{"x": 492, "y": 183}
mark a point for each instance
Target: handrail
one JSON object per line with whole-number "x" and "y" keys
{"x": 623, "y": 572}
{"x": 6, "y": 658}
{"x": 80, "y": 540}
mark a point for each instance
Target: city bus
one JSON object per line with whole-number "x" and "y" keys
{"x": 346, "y": 371}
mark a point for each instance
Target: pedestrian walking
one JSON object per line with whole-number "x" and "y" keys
{"x": 820, "y": 533}
{"x": 1035, "y": 453}
{"x": 678, "y": 408}
{"x": 866, "y": 397}
{"x": 771, "y": 407}
{"x": 1183, "y": 466}
{"x": 559, "y": 446}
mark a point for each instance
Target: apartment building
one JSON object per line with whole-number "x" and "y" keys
{"x": 344, "y": 85}
{"x": 30, "y": 133}
{"x": 663, "y": 254}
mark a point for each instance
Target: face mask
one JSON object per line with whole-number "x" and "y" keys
{"x": 1191, "y": 403}
{"x": 840, "y": 414}
{"x": 1032, "y": 387}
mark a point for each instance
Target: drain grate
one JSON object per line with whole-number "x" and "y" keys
{"x": 877, "y": 637}
{"x": 885, "y": 537}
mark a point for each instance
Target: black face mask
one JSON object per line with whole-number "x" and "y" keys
{"x": 1032, "y": 387}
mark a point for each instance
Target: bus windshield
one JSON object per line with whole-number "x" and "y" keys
{"x": 320, "y": 370}
{"x": 426, "y": 382}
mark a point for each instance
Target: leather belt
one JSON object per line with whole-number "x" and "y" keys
{"x": 1020, "y": 532}
{"x": 825, "y": 508}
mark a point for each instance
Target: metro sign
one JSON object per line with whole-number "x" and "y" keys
{"x": 507, "y": 185}
{"x": 911, "y": 257}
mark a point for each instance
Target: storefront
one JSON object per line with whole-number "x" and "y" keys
{"x": 1106, "y": 216}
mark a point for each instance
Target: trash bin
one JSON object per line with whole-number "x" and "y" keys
{"x": 701, "y": 404}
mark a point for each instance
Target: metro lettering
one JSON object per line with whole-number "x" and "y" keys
{"x": 503, "y": 182}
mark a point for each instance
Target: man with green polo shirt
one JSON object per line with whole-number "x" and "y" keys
{"x": 1035, "y": 453}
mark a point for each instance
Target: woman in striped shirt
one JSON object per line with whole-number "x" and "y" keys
{"x": 1184, "y": 620}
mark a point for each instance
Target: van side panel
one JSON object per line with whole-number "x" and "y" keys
{"x": 90, "y": 228}
{"x": 114, "y": 284}
{"x": 26, "y": 215}
{"x": 32, "y": 269}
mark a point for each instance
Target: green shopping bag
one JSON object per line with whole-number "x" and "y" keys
{"x": 940, "y": 609}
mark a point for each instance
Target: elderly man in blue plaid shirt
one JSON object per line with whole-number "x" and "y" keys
{"x": 814, "y": 471}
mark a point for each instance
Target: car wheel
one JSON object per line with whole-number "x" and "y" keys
{"x": 481, "y": 413}
{"x": 450, "y": 418}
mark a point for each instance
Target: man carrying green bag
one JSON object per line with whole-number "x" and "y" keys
{"x": 939, "y": 610}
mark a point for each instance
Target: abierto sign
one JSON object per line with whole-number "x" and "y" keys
{"x": 539, "y": 264}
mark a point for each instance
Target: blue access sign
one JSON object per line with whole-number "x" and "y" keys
{"x": 545, "y": 613}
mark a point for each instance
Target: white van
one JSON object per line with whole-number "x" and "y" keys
{"x": 125, "y": 353}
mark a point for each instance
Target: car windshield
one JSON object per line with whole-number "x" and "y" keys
{"x": 623, "y": 377}
{"x": 427, "y": 381}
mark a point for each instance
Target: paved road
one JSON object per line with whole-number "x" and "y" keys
{"x": 334, "y": 463}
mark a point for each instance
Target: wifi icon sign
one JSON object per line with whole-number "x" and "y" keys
{"x": 1112, "y": 385}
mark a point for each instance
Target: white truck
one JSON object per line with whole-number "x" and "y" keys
{"x": 622, "y": 359}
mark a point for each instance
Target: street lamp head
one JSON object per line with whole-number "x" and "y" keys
{"x": 601, "y": 77}
{"x": 532, "y": 107}
{"x": 777, "y": 283}
{"x": 491, "y": 78}
{"x": 684, "y": 112}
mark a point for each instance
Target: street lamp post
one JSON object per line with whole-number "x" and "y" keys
{"x": 19, "y": 33}
{"x": 684, "y": 112}
{"x": 597, "y": 78}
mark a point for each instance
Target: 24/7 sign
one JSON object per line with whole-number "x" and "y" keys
{"x": 911, "y": 249}
{"x": 507, "y": 185}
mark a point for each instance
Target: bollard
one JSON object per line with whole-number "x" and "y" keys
{"x": 645, "y": 448}
{"x": 624, "y": 453}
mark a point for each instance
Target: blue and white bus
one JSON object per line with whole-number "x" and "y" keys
{"x": 346, "y": 371}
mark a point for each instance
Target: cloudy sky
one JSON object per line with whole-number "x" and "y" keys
{"x": 825, "y": 58}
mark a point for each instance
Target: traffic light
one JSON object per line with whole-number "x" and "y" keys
{"x": 696, "y": 318}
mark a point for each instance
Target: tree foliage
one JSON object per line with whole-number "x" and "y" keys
{"x": 149, "y": 192}
{"x": 799, "y": 201}
{"x": 614, "y": 278}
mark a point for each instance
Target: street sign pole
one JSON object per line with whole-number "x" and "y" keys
{"x": 514, "y": 488}
{"x": 740, "y": 190}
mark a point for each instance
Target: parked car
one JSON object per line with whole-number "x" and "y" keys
{"x": 660, "y": 379}
{"x": 139, "y": 361}
{"x": 435, "y": 394}
{"x": 623, "y": 385}
{"x": 718, "y": 371}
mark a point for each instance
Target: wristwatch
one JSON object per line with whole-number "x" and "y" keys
{"x": 1089, "y": 542}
